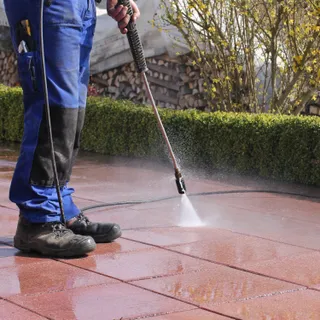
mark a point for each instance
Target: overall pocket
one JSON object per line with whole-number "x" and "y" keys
{"x": 27, "y": 72}
{"x": 62, "y": 12}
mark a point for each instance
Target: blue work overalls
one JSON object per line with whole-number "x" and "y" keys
{"x": 68, "y": 33}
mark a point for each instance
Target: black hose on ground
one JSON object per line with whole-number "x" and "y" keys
{"x": 123, "y": 203}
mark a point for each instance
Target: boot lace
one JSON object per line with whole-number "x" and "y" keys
{"x": 82, "y": 218}
{"x": 58, "y": 228}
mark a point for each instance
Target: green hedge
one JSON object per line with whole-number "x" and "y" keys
{"x": 279, "y": 147}
{"x": 11, "y": 114}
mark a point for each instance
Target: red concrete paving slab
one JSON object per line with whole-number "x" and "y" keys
{"x": 302, "y": 269}
{"x": 82, "y": 203}
{"x": 298, "y": 305}
{"x": 192, "y": 177}
{"x": 41, "y": 277}
{"x": 7, "y": 240}
{"x": 143, "y": 264}
{"x": 269, "y": 216}
{"x": 239, "y": 250}
{"x": 5, "y": 177}
{"x": 10, "y": 311}
{"x": 6, "y": 170}
{"x": 132, "y": 172}
{"x": 116, "y": 193}
{"x": 172, "y": 205}
{"x": 257, "y": 223}
{"x": 298, "y": 208}
{"x": 177, "y": 236}
{"x": 116, "y": 247}
{"x": 8, "y": 222}
{"x": 4, "y": 203}
{"x": 9, "y": 211}
{"x": 218, "y": 284}
{"x": 112, "y": 183}
{"x": 132, "y": 219}
{"x": 299, "y": 233}
{"x": 4, "y": 196}
{"x": 5, "y": 180}
{"x": 124, "y": 182}
{"x": 11, "y": 257}
{"x": 7, "y": 251}
{"x": 196, "y": 185}
{"x": 122, "y": 171}
{"x": 101, "y": 302}
{"x": 196, "y": 314}
{"x": 7, "y": 165}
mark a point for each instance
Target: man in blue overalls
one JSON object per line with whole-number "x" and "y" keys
{"x": 69, "y": 27}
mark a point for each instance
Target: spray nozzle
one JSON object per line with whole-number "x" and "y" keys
{"x": 180, "y": 182}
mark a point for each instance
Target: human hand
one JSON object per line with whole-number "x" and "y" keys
{"x": 119, "y": 13}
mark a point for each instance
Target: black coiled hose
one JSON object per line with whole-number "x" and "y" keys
{"x": 212, "y": 193}
{"x": 47, "y": 110}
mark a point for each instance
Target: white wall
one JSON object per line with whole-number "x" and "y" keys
{"x": 111, "y": 48}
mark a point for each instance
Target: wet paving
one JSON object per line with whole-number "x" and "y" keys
{"x": 257, "y": 257}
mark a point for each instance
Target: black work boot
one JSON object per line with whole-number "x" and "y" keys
{"x": 100, "y": 232}
{"x": 51, "y": 239}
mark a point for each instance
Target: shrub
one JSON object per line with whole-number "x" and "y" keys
{"x": 11, "y": 114}
{"x": 273, "y": 146}
{"x": 253, "y": 55}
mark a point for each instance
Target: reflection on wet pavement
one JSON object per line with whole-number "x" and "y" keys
{"x": 257, "y": 258}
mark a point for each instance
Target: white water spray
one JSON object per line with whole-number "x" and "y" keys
{"x": 188, "y": 214}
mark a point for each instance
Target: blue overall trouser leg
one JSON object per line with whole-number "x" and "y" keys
{"x": 68, "y": 33}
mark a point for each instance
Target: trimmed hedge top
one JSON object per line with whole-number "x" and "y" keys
{"x": 273, "y": 146}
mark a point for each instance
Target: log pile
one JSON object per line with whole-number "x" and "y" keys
{"x": 8, "y": 68}
{"x": 174, "y": 85}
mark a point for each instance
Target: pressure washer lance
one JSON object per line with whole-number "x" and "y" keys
{"x": 141, "y": 65}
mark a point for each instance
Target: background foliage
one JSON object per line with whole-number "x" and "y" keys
{"x": 274, "y": 146}
{"x": 255, "y": 55}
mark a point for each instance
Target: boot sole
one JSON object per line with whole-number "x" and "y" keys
{"x": 28, "y": 247}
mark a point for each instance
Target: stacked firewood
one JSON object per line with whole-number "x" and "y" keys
{"x": 8, "y": 68}
{"x": 174, "y": 85}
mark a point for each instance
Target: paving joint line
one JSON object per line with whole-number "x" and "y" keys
{"x": 153, "y": 291}
{"x": 146, "y": 289}
{"x": 187, "y": 302}
{"x": 36, "y": 294}
{"x": 191, "y": 256}
{"x": 166, "y": 275}
{"x": 146, "y": 228}
{"x": 158, "y": 314}
{"x": 4, "y": 243}
{"x": 275, "y": 241}
{"x": 273, "y": 214}
{"x": 236, "y": 232}
{"x": 6, "y": 207}
{"x": 168, "y": 296}
{"x": 25, "y": 308}
{"x": 271, "y": 294}
{"x": 216, "y": 262}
